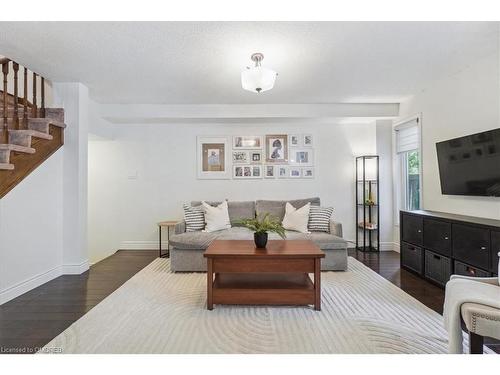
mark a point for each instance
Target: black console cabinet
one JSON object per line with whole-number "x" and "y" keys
{"x": 436, "y": 245}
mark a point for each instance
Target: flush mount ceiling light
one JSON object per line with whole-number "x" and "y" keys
{"x": 258, "y": 79}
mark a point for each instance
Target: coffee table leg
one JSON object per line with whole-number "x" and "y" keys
{"x": 210, "y": 284}
{"x": 317, "y": 284}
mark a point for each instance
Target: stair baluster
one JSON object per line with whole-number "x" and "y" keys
{"x": 5, "y": 71}
{"x": 35, "y": 111}
{"x": 42, "y": 94}
{"x": 15, "y": 67}
{"x": 25, "y": 101}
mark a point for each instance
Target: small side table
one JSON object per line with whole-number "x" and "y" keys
{"x": 168, "y": 224}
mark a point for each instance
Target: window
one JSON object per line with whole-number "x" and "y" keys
{"x": 408, "y": 166}
{"x": 411, "y": 177}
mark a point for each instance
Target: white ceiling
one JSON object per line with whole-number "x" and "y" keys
{"x": 200, "y": 62}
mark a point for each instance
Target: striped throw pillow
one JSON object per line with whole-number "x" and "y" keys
{"x": 319, "y": 219}
{"x": 194, "y": 217}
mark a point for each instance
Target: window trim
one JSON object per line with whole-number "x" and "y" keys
{"x": 399, "y": 195}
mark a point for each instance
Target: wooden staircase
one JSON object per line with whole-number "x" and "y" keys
{"x": 29, "y": 133}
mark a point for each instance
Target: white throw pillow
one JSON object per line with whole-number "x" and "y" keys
{"x": 296, "y": 219}
{"x": 216, "y": 218}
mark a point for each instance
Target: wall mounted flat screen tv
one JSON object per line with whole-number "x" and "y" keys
{"x": 470, "y": 165}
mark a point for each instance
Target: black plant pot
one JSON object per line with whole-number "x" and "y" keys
{"x": 260, "y": 240}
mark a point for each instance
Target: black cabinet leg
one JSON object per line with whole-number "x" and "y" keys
{"x": 475, "y": 343}
{"x": 159, "y": 240}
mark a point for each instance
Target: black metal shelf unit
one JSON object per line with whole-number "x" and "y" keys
{"x": 367, "y": 203}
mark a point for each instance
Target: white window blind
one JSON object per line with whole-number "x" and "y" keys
{"x": 407, "y": 136}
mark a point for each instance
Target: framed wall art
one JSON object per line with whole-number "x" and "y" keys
{"x": 282, "y": 171}
{"x": 269, "y": 171}
{"x": 307, "y": 172}
{"x": 307, "y": 140}
{"x": 302, "y": 156}
{"x": 255, "y": 157}
{"x": 240, "y": 157}
{"x": 213, "y": 158}
{"x": 248, "y": 142}
{"x": 277, "y": 148}
{"x": 247, "y": 171}
{"x": 294, "y": 140}
{"x": 294, "y": 172}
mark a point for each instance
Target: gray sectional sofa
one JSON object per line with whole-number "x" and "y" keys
{"x": 188, "y": 247}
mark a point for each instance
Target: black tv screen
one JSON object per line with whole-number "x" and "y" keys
{"x": 470, "y": 165}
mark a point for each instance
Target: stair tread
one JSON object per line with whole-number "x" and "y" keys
{"x": 17, "y": 148}
{"x": 33, "y": 133}
{"x": 6, "y": 166}
{"x": 48, "y": 120}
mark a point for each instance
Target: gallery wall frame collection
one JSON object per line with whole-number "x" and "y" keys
{"x": 272, "y": 156}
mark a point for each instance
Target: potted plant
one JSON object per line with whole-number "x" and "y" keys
{"x": 261, "y": 226}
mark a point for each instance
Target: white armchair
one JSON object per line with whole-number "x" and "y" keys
{"x": 481, "y": 314}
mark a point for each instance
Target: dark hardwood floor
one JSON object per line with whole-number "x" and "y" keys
{"x": 30, "y": 321}
{"x": 33, "y": 319}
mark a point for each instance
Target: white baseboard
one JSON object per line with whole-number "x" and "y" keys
{"x": 42, "y": 278}
{"x": 75, "y": 269}
{"x": 31, "y": 283}
{"x": 142, "y": 245}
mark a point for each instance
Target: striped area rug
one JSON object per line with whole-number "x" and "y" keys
{"x": 157, "y": 311}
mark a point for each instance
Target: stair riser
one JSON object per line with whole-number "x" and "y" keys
{"x": 20, "y": 139}
{"x": 4, "y": 156}
{"x": 42, "y": 127}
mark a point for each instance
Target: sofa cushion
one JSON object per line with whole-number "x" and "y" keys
{"x": 237, "y": 209}
{"x": 193, "y": 240}
{"x": 201, "y": 240}
{"x": 277, "y": 208}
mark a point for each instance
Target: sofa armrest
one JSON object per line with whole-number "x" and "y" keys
{"x": 336, "y": 228}
{"x": 180, "y": 227}
{"x": 486, "y": 280}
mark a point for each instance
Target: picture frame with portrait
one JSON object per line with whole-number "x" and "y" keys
{"x": 213, "y": 158}
{"x": 277, "y": 148}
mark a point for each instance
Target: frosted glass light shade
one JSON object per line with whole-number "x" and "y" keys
{"x": 258, "y": 79}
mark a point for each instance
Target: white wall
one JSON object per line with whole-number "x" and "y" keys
{"x": 384, "y": 151}
{"x": 74, "y": 98}
{"x": 464, "y": 103}
{"x": 43, "y": 222}
{"x": 146, "y": 172}
{"x": 31, "y": 229}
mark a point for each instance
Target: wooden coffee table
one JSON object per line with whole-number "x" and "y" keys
{"x": 277, "y": 275}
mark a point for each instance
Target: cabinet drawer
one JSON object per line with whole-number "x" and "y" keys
{"x": 466, "y": 270}
{"x": 412, "y": 229}
{"x": 471, "y": 245}
{"x": 495, "y": 249}
{"x": 437, "y": 236}
{"x": 411, "y": 257}
{"x": 437, "y": 267}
